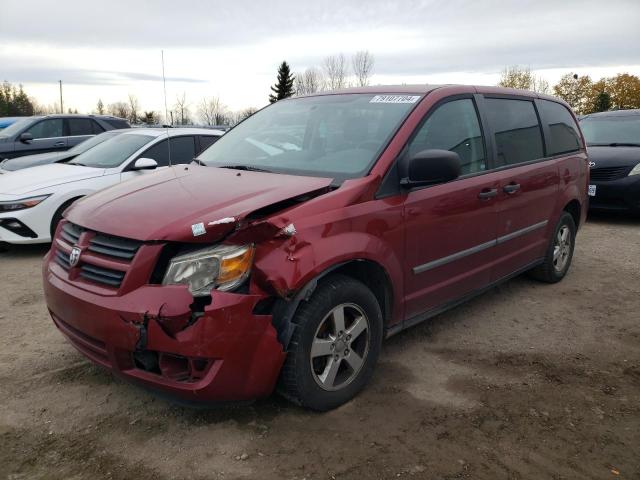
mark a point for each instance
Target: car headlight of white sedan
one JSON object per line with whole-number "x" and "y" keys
{"x": 13, "y": 205}
{"x": 635, "y": 170}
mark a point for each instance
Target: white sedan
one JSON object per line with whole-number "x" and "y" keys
{"x": 32, "y": 200}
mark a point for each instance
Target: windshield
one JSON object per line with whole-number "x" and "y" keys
{"x": 92, "y": 142}
{"x": 605, "y": 130}
{"x": 15, "y": 127}
{"x": 336, "y": 136}
{"x": 111, "y": 153}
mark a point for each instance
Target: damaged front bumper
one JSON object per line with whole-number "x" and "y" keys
{"x": 151, "y": 335}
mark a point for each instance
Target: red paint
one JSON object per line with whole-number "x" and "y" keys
{"x": 240, "y": 348}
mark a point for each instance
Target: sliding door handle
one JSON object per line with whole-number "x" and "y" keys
{"x": 488, "y": 193}
{"x": 511, "y": 188}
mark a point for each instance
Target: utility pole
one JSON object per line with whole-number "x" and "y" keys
{"x": 61, "y": 106}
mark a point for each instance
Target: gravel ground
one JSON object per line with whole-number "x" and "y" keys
{"x": 528, "y": 381}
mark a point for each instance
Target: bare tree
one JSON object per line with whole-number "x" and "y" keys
{"x": 212, "y": 111}
{"x": 362, "y": 63}
{"x": 118, "y": 109}
{"x": 133, "y": 108}
{"x": 182, "y": 109}
{"x": 100, "y": 107}
{"x": 311, "y": 81}
{"x": 335, "y": 70}
{"x": 523, "y": 78}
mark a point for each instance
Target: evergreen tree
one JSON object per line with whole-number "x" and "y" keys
{"x": 602, "y": 103}
{"x": 284, "y": 86}
{"x": 100, "y": 107}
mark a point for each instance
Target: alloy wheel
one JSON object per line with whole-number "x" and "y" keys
{"x": 562, "y": 248}
{"x": 340, "y": 347}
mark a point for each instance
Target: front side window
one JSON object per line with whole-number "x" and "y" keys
{"x": 49, "y": 128}
{"x": 562, "y": 128}
{"x": 517, "y": 130}
{"x": 335, "y": 136}
{"x": 453, "y": 126}
{"x": 113, "y": 152}
{"x": 611, "y": 130}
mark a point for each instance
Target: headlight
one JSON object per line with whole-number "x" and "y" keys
{"x": 14, "y": 205}
{"x": 635, "y": 170}
{"x": 223, "y": 267}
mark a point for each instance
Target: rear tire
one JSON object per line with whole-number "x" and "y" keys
{"x": 335, "y": 345}
{"x": 559, "y": 252}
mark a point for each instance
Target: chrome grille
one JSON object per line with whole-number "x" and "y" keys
{"x": 62, "y": 259}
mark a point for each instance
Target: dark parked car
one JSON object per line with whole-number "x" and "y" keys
{"x": 312, "y": 231}
{"x": 613, "y": 141}
{"x": 13, "y": 164}
{"x": 53, "y": 133}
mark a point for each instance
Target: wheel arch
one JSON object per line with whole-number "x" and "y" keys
{"x": 574, "y": 208}
{"x": 371, "y": 273}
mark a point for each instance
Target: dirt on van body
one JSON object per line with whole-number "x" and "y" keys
{"x": 528, "y": 381}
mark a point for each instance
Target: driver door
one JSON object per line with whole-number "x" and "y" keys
{"x": 450, "y": 228}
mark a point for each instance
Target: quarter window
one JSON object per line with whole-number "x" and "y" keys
{"x": 454, "y": 126}
{"x": 49, "y": 128}
{"x": 517, "y": 130}
{"x": 562, "y": 128}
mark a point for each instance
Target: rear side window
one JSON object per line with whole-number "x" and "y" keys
{"x": 562, "y": 128}
{"x": 453, "y": 126}
{"x": 517, "y": 130}
{"x": 182, "y": 151}
{"x": 116, "y": 123}
{"x": 206, "y": 141}
{"x": 97, "y": 128}
{"x": 80, "y": 126}
{"x": 49, "y": 128}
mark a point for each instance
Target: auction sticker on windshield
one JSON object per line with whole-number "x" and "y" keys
{"x": 592, "y": 190}
{"x": 395, "y": 99}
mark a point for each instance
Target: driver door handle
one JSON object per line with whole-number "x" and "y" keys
{"x": 58, "y": 144}
{"x": 511, "y": 188}
{"x": 488, "y": 193}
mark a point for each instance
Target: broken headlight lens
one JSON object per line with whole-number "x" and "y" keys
{"x": 13, "y": 205}
{"x": 223, "y": 267}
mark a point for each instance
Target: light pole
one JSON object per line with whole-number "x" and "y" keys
{"x": 61, "y": 106}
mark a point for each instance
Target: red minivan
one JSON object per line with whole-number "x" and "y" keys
{"x": 287, "y": 251}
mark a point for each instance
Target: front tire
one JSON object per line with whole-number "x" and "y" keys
{"x": 335, "y": 345}
{"x": 559, "y": 253}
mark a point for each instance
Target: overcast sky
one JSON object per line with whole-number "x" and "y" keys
{"x": 110, "y": 48}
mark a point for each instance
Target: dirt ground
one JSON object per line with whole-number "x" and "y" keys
{"x": 528, "y": 381}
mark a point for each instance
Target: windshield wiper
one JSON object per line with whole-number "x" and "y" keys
{"x": 247, "y": 168}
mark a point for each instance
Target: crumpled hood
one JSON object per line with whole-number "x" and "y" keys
{"x": 165, "y": 205}
{"x": 27, "y": 161}
{"x": 23, "y": 182}
{"x": 614, "y": 156}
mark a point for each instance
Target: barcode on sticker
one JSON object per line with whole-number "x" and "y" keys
{"x": 395, "y": 99}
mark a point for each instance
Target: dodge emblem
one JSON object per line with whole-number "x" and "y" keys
{"x": 74, "y": 256}
{"x": 592, "y": 164}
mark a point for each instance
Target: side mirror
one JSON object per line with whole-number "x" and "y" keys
{"x": 145, "y": 164}
{"x": 25, "y": 137}
{"x": 429, "y": 167}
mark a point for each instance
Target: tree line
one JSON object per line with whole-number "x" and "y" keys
{"x": 335, "y": 72}
{"x": 584, "y": 95}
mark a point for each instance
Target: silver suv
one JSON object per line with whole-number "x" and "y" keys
{"x": 53, "y": 133}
